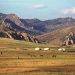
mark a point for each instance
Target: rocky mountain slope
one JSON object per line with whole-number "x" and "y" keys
{"x": 69, "y": 39}
{"x": 12, "y": 33}
{"x": 58, "y": 36}
{"x": 50, "y": 25}
{"x": 50, "y": 31}
{"x": 35, "y": 26}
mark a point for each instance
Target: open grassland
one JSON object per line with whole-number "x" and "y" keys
{"x": 37, "y": 67}
{"x": 20, "y": 58}
{"x": 16, "y": 44}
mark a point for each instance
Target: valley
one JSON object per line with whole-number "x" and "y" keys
{"x": 21, "y": 58}
{"x": 34, "y": 47}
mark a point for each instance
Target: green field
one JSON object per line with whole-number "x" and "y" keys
{"x": 20, "y": 58}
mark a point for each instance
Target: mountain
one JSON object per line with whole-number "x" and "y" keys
{"x": 18, "y": 24}
{"x": 50, "y": 25}
{"x": 24, "y": 25}
{"x": 2, "y": 16}
{"x": 56, "y": 37}
{"x": 12, "y": 26}
{"x": 35, "y": 26}
{"x": 12, "y": 33}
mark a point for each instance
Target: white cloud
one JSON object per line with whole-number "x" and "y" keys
{"x": 69, "y": 11}
{"x": 38, "y": 6}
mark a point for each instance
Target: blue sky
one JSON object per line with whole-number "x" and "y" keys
{"x": 41, "y": 9}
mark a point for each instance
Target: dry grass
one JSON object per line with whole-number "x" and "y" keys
{"x": 10, "y": 66}
{"x": 19, "y": 58}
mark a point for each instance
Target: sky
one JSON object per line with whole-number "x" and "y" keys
{"x": 41, "y": 9}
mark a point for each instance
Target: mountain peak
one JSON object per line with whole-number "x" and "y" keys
{"x": 66, "y": 18}
{"x": 12, "y": 16}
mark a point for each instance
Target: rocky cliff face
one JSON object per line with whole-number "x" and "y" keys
{"x": 69, "y": 39}
{"x": 10, "y": 32}
{"x": 18, "y": 36}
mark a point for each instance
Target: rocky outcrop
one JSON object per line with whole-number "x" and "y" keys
{"x": 10, "y": 32}
{"x": 18, "y": 36}
{"x": 70, "y": 39}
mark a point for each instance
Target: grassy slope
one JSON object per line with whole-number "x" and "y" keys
{"x": 11, "y": 43}
{"x": 10, "y": 48}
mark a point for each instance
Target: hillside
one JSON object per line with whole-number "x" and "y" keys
{"x": 50, "y": 25}
{"x": 35, "y": 26}
{"x": 56, "y": 37}
{"x": 34, "y": 30}
{"x": 9, "y": 32}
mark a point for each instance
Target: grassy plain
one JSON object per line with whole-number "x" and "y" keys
{"x": 20, "y": 58}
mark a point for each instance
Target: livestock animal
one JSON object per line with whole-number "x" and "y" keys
{"x": 37, "y": 49}
{"x": 46, "y": 49}
{"x": 61, "y": 49}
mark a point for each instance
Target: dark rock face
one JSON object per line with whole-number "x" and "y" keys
{"x": 3, "y": 35}
{"x": 10, "y": 32}
{"x": 18, "y": 36}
